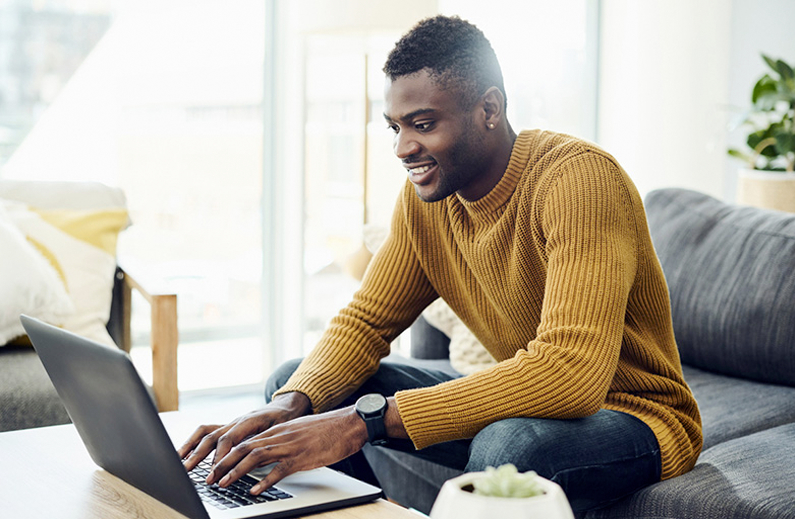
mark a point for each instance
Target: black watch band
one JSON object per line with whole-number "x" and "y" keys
{"x": 372, "y": 409}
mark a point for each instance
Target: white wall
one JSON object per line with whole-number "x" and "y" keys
{"x": 663, "y": 90}
{"x": 675, "y": 77}
{"x": 757, "y": 27}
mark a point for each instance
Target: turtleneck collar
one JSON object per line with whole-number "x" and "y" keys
{"x": 489, "y": 207}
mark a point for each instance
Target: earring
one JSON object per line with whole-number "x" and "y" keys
{"x": 491, "y": 126}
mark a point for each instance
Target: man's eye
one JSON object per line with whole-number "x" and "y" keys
{"x": 424, "y": 126}
{"x": 393, "y": 127}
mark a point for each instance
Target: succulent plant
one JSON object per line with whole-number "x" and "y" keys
{"x": 507, "y": 481}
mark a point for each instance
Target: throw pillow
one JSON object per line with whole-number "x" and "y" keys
{"x": 28, "y": 284}
{"x": 81, "y": 246}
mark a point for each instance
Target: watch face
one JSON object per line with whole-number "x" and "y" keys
{"x": 371, "y": 403}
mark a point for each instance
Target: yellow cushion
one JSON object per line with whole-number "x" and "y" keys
{"x": 28, "y": 284}
{"x": 80, "y": 243}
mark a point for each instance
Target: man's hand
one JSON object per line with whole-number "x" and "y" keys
{"x": 302, "y": 444}
{"x": 223, "y": 438}
{"x": 281, "y": 434}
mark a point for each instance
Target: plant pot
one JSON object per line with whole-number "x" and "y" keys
{"x": 767, "y": 189}
{"x": 455, "y": 502}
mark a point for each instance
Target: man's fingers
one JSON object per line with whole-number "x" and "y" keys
{"x": 229, "y": 441}
{"x": 242, "y": 459}
{"x": 204, "y": 447}
{"x": 194, "y": 439}
{"x": 241, "y": 430}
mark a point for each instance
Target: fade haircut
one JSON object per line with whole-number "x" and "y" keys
{"x": 456, "y": 54}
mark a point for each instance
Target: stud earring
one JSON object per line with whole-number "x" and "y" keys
{"x": 491, "y": 126}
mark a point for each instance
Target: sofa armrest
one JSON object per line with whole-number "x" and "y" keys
{"x": 428, "y": 342}
{"x": 164, "y": 338}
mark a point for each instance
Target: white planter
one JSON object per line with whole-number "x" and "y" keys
{"x": 767, "y": 189}
{"x": 455, "y": 503}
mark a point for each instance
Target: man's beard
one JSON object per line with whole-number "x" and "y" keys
{"x": 466, "y": 161}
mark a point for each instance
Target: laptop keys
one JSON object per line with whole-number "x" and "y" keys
{"x": 235, "y": 495}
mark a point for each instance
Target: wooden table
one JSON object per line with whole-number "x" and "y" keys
{"x": 47, "y": 472}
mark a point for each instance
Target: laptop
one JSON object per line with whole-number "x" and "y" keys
{"x": 118, "y": 422}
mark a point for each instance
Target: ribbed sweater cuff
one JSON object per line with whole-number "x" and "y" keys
{"x": 426, "y": 416}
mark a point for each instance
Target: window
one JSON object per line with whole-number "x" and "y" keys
{"x": 165, "y": 100}
{"x": 330, "y": 90}
{"x": 257, "y": 227}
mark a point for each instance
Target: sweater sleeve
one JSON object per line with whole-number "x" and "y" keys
{"x": 585, "y": 215}
{"x": 394, "y": 291}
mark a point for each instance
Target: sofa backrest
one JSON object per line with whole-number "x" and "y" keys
{"x": 731, "y": 275}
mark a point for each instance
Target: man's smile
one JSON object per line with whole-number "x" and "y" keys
{"x": 422, "y": 174}
{"x": 419, "y": 170}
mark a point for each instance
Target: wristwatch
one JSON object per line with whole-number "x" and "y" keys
{"x": 372, "y": 409}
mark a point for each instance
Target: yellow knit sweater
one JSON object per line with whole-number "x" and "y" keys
{"x": 555, "y": 273}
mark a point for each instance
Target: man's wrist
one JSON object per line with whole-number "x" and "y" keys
{"x": 296, "y": 404}
{"x": 357, "y": 426}
{"x": 393, "y": 421}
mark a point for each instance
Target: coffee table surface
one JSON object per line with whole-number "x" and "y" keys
{"x": 47, "y": 472}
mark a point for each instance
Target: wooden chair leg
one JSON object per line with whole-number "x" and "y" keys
{"x": 164, "y": 343}
{"x": 164, "y": 351}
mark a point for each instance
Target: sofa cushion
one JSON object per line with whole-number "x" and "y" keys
{"x": 730, "y": 275}
{"x": 732, "y": 408}
{"x": 745, "y": 478}
{"x": 74, "y": 225}
{"x": 27, "y": 397}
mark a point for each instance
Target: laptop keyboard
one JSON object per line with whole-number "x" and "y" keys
{"x": 235, "y": 495}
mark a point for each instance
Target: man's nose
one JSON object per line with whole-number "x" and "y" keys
{"x": 405, "y": 145}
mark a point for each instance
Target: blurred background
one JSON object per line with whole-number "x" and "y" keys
{"x": 248, "y": 134}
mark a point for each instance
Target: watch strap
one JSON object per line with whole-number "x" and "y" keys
{"x": 376, "y": 429}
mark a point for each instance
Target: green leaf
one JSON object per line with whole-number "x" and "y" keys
{"x": 770, "y": 62}
{"x": 737, "y": 154}
{"x": 784, "y": 70}
{"x": 756, "y": 138}
{"x": 785, "y": 142}
{"x": 765, "y": 93}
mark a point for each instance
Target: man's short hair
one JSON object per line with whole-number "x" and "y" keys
{"x": 455, "y": 52}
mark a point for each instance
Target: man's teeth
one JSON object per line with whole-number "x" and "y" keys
{"x": 419, "y": 170}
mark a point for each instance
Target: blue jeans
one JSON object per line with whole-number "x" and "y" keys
{"x": 597, "y": 460}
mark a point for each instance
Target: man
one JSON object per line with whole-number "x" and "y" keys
{"x": 539, "y": 243}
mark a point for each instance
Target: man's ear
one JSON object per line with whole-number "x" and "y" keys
{"x": 493, "y": 107}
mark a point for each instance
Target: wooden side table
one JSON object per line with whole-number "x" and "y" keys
{"x": 47, "y": 472}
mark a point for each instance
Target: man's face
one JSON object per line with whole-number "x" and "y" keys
{"x": 438, "y": 141}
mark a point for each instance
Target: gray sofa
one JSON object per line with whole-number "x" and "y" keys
{"x": 27, "y": 397}
{"x": 731, "y": 276}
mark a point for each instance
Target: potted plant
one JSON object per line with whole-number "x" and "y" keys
{"x": 769, "y": 180}
{"x": 502, "y": 492}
